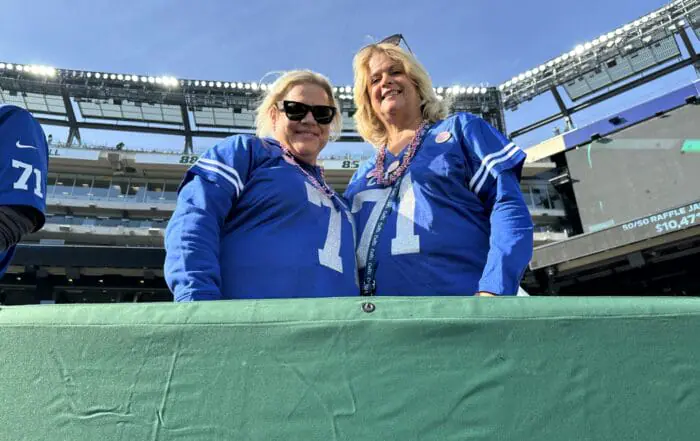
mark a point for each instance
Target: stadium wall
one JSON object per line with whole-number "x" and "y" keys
{"x": 643, "y": 169}
{"x": 352, "y": 369}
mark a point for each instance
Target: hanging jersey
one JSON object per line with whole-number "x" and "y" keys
{"x": 249, "y": 224}
{"x": 436, "y": 238}
{"x": 24, "y": 157}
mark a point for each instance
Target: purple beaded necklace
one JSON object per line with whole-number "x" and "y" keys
{"x": 320, "y": 186}
{"x": 393, "y": 176}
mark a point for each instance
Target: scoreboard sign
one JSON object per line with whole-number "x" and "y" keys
{"x": 682, "y": 217}
{"x": 675, "y": 219}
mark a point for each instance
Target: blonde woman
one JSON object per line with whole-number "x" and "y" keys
{"x": 255, "y": 217}
{"x": 438, "y": 208}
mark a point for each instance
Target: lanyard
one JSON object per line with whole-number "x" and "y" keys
{"x": 369, "y": 285}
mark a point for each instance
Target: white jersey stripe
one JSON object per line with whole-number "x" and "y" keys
{"x": 485, "y": 161}
{"x": 491, "y": 165}
{"x": 222, "y": 166}
{"x": 222, "y": 174}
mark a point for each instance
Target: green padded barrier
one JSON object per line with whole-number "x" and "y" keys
{"x": 537, "y": 368}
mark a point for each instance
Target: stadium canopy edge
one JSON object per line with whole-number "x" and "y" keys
{"x": 614, "y": 122}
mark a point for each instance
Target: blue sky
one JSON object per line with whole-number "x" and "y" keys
{"x": 466, "y": 42}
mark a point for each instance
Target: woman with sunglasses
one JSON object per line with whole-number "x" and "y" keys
{"x": 254, "y": 216}
{"x": 438, "y": 207}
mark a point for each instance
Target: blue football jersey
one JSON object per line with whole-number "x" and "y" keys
{"x": 249, "y": 224}
{"x": 458, "y": 224}
{"x": 24, "y": 158}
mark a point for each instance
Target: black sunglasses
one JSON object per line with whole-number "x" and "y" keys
{"x": 296, "y": 111}
{"x": 396, "y": 40}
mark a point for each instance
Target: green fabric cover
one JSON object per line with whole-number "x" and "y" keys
{"x": 691, "y": 146}
{"x": 443, "y": 369}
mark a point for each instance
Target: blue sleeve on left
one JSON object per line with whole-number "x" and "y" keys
{"x": 5, "y": 259}
{"x": 511, "y": 240}
{"x": 24, "y": 156}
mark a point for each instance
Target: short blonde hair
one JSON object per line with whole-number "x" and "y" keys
{"x": 368, "y": 123}
{"x": 277, "y": 91}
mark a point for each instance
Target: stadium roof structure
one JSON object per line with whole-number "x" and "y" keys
{"x": 633, "y": 54}
{"x": 167, "y": 105}
{"x": 647, "y": 48}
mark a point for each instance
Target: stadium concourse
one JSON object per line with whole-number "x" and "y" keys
{"x": 607, "y": 219}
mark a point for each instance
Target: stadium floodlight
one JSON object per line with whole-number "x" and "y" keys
{"x": 484, "y": 90}
{"x": 254, "y": 86}
{"x": 227, "y": 85}
{"x": 239, "y": 85}
{"x": 218, "y": 84}
{"x": 440, "y": 90}
{"x": 589, "y": 56}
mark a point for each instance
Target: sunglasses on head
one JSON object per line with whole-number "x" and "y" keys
{"x": 296, "y": 111}
{"x": 396, "y": 40}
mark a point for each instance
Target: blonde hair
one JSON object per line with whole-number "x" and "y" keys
{"x": 368, "y": 123}
{"x": 275, "y": 92}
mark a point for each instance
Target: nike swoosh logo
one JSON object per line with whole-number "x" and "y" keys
{"x": 22, "y": 146}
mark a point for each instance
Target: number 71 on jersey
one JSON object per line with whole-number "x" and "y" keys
{"x": 405, "y": 241}
{"x": 27, "y": 171}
